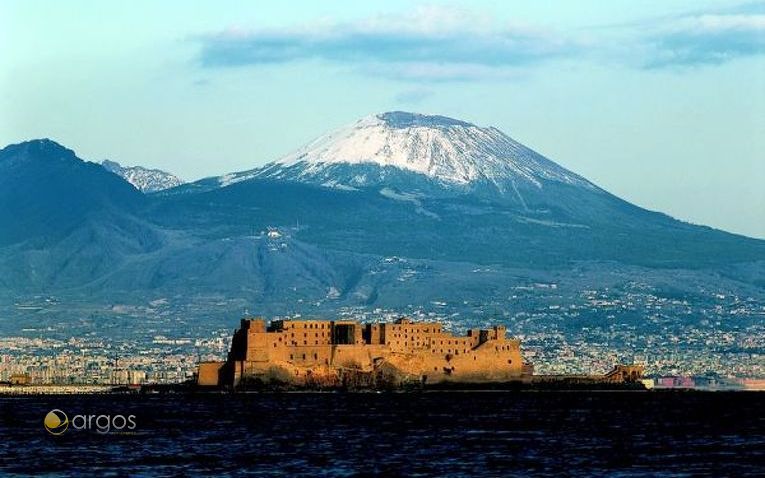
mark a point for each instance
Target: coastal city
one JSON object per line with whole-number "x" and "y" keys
{"x": 722, "y": 341}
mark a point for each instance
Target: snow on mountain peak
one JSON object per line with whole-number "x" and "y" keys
{"x": 444, "y": 149}
{"x": 403, "y": 119}
{"x": 144, "y": 179}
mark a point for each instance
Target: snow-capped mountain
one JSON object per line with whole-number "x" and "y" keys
{"x": 69, "y": 228}
{"x": 377, "y": 149}
{"x": 144, "y": 179}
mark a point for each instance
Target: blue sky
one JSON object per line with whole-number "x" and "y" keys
{"x": 660, "y": 102}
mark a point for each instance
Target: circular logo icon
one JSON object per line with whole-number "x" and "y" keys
{"x": 56, "y": 422}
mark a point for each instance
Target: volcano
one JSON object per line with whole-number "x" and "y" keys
{"x": 397, "y": 208}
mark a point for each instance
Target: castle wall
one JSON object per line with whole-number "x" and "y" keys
{"x": 208, "y": 374}
{"x": 302, "y": 350}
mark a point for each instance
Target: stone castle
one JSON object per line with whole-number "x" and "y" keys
{"x": 335, "y": 352}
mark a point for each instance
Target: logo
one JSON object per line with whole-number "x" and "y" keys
{"x": 56, "y": 422}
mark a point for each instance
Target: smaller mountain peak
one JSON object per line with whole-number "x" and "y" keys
{"x": 404, "y": 119}
{"x": 144, "y": 179}
{"x": 45, "y": 145}
{"x": 41, "y": 148}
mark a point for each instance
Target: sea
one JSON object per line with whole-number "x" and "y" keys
{"x": 455, "y": 434}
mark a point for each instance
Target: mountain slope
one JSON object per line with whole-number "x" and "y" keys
{"x": 439, "y": 188}
{"x": 144, "y": 179}
{"x": 366, "y": 232}
{"x": 46, "y": 191}
{"x": 465, "y": 228}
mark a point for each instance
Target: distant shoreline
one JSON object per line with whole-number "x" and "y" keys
{"x": 63, "y": 390}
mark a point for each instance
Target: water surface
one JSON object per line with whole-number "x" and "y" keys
{"x": 396, "y": 434}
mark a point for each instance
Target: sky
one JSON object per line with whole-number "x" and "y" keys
{"x": 659, "y": 102}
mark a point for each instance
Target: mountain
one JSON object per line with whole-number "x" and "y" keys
{"x": 438, "y": 188}
{"x": 144, "y": 179}
{"x": 397, "y": 210}
{"x": 448, "y": 151}
{"x": 431, "y": 152}
{"x": 46, "y": 192}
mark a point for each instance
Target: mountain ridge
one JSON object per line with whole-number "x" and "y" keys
{"x": 71, "y": 228}
{"x": 46, "y": 191}
{"x": 146, "y": 180}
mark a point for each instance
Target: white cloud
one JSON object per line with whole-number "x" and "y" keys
{"x": 429, "y": 42}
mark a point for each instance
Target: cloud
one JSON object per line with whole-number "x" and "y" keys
{"x": 707, "y": 39}
{"x": 430, "y": 44}
{"x": 427, "y": 43}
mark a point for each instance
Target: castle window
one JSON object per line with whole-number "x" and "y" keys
{"x": 305, "y": 342}
{"x": 274, "y": 344}
{"x": 303, "y": 356}
{"x": 291, "y": 357}
{"x": 315, "y": 356}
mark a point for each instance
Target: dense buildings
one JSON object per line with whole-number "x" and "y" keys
{"x": 564, "y": 329}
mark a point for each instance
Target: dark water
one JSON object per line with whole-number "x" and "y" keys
{"x": 431, "y": 434}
